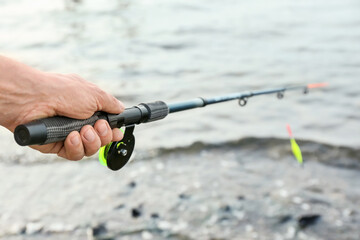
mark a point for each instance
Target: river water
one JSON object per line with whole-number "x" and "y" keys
{"x": 147, "y": 50}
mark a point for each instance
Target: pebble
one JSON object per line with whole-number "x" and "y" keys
{"x": 308, "y": 220}
{"x": 283, "y": 193}
{"x": 132, "y": 184}
{"x": 305, "y": 206}
{"x": 155, "y": 215}
{"x": 136, "y": 212}
{"x": 16, "y": 229}
{"x": 226, "y": 208}
{"x": 290, "y": 234}
{"x": 203, "y": 208}
{"x": 197, "y": 185}
{"x": 339, "y": 223}
{"x": 212, "y": 220}
{"x": 278, "y": 237}
{"x": 249, "y": 228}
{"x": 279, "y": 183}
{"x": 33, "y": 228}
{"x": 180, "y": 226}
{"x": 59, "y": 228}
{"x": 240, "y": 197}
{"x": 184, "y": 196}
{"x": 99, "y": 229}
{"x": 120, "y": 206}
{"x": 240, "y": 215}
{"x": 297, "y": 200}
{"x": 146, "y": 235}
{"x": 164, "y": 225}
{"x": 160, "y": 166}
{"x": 284, "y": 219}
{"x": 348, "y": 212}
{"x": 303, "y": 236}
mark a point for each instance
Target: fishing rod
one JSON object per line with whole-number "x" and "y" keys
{"x": 116, "y": 154}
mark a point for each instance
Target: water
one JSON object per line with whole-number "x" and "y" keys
{"x": 176, "y": 50}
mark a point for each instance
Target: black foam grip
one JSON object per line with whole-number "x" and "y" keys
{"x": 59, "y": 127}
{"x": 52, "y": 129}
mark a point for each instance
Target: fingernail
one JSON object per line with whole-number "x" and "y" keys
{"x": 75, "y": 140}
{"x": 89, "y": 135}
{"x": 102, "y": 129}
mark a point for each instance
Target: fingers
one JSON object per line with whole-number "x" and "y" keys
{"x": 117, "y": 135}
{"x": 104, "y": 131}
{"x": 110, "y": 104}
{"x": 73, "y": 148}
{"x": 89, "y": 140}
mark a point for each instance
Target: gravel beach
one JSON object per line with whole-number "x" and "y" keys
{"x": 248, "y": 189}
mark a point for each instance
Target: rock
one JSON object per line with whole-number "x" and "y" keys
{"x": 318, "y": 200}
{"x": 120, "y": 206}
{"x": 155, "y": 215}
{"x": 180, "y": 226}
{"x": 308, "y": 220}
{"x": 33, "y": 228}
{"x": 226, "y": 208}
{"x": 240, "y": 215}
{"x": 132, "y": 184}
{"x": 297, "y": 200}
{"x": 348, "y": 212}
{"x": 184, "y": 196}
{"x": 59, "y": 228}
{"x": 249, "y": 228}
{"x": 16, "y": 229}
{"x": 136, "y": 212}
{"x": 164, "y": 225}
{"x": 291, "y": 233}
{"x": 314, "y": 189}
{"x": 284, "y": 219}
{"x": 305, "y": 206}
{"x": 99, "y": 229}
{"x": 146, "y": 235}
{"x": 240, "y": 197}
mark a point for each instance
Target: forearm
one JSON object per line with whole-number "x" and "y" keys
{"x": 21, "y": 93}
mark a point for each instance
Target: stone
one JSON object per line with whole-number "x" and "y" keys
{"x": 33, "y": 228}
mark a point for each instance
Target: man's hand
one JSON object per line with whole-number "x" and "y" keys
{"x": 27, "y": 94}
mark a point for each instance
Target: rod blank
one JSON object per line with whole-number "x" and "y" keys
{"x": 54, "y": 129}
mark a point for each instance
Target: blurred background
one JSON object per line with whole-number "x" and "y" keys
{"x": 222, "y": 172}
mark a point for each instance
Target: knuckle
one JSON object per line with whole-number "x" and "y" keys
{"x": 75, "y": 76}
{"x": 106, "y": 140}
{"x": 91, "y": 149}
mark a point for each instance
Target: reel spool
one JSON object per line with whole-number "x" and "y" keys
{"x": 116, "y": 155}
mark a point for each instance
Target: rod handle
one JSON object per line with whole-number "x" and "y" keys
{"x": 56, "y": 129}
{"x": 53, "y": 129}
